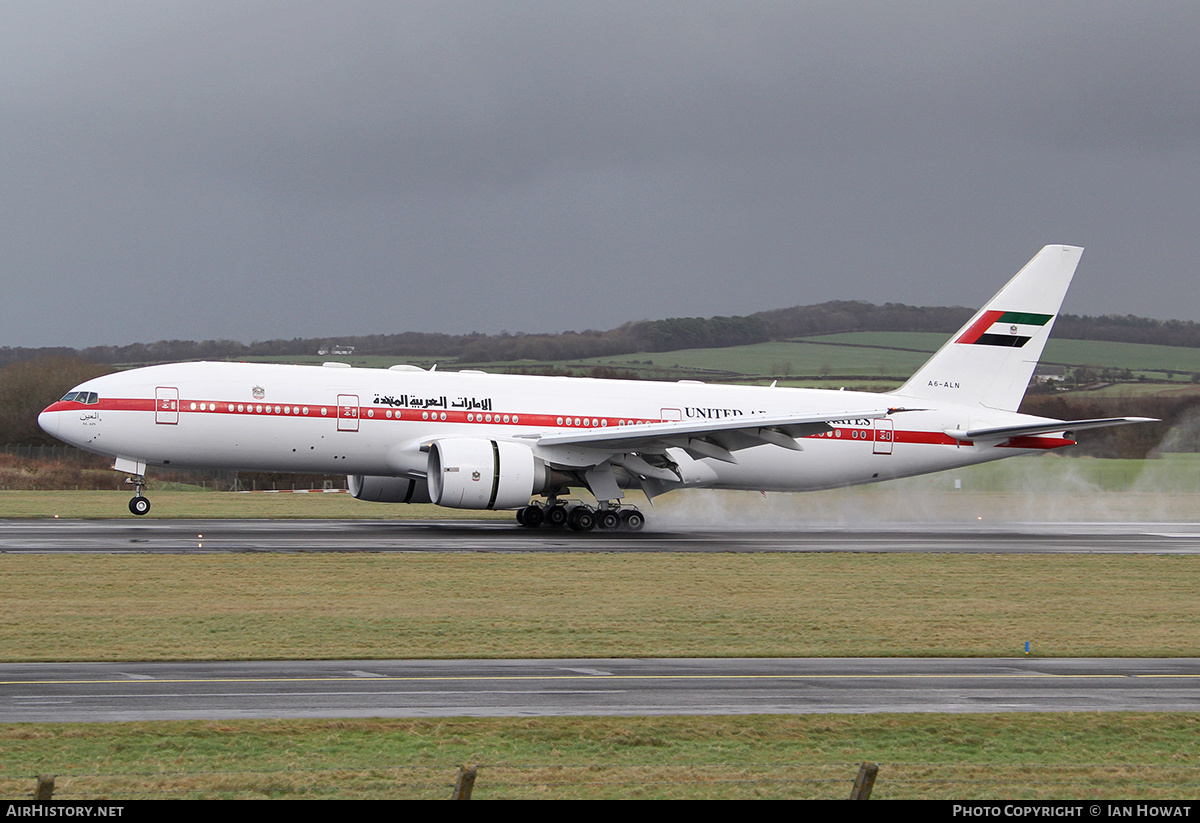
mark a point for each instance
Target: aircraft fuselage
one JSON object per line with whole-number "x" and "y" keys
{"x": 266, "y": 417}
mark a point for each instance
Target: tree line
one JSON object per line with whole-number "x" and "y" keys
{"x": 644, "y": 335}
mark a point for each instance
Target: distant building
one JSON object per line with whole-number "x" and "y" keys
{"x": 1050, "y": 374}
{"x": 336, "y": 349}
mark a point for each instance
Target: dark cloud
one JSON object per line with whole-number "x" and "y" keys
{"x": 290, "y": 169}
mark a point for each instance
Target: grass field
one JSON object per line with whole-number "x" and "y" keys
{"x": 1125, "y": 391}
{"x": 886, "y": 358}
{"x": 402, "y": 605}
{"x": 167, "y": 503}
{"x": 1091, "y": 353}
{"x": 770, "y": 359}
{"x": 1025, "y": 757}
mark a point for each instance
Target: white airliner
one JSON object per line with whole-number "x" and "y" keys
{"x": 471, "y": 440}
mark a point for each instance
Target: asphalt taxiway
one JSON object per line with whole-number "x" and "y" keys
{"x": 206, "y": 536}
{"x": 74, "y": 692}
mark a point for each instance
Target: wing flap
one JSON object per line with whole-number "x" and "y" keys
{"x": 725, "y": 436}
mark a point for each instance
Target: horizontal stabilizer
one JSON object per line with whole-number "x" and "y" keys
{"x": 1004, "y": 432}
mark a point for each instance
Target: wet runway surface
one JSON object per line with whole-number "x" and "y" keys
{"x": 205, "y": 536}
{"x": 53, "y": 692}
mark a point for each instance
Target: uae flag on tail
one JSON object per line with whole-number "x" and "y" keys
{"x": 1004, "y": 328}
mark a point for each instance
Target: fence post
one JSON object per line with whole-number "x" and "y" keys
{"x": 864, "y": 782}
{"x": 45, "y": 787}
{"x": 465, "y": 782}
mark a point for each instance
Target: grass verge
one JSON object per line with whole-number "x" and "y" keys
{"x": 348, "y": 606}
{"x": 222, "y": 505}
{"x": 938, "y": 756}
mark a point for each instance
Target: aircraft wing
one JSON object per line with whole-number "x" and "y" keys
{"x": 709, "y": 438}
{"x": 1002, "y": 432}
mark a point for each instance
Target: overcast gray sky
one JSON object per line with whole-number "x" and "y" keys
{"x": 252, "y": 170}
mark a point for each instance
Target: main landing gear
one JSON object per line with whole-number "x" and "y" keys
{"x": 581, "y": 517}
{"x": 140, "y": 504}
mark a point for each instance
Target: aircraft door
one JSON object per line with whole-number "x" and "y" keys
{"x": 885, "y": 434}
{"x": 347, "y": 413}
{"x": 166, "y": 405}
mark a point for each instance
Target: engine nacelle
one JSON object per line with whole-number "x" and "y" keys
{"x": 473, "y": 473}
{"x": 388, "y": 489}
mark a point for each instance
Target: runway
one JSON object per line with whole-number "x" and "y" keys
{"x": 100, "y": 692}
{"x": 127, "y": 535}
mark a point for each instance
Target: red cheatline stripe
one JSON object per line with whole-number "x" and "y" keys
{"x": 985, "y": 322}
{"x": 332, "y": 411}
{"x": 105, "y": 404}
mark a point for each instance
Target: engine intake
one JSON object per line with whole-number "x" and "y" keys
{"x": 473, "y": 473}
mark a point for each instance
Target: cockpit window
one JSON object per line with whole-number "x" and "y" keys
{"x": 69, "y": 396}
{"x": 87, "y": 397}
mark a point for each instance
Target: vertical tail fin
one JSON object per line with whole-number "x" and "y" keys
{"x": 989, "y": 361}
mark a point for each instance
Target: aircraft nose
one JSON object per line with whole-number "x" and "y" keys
{"x": 48, "y": 420}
